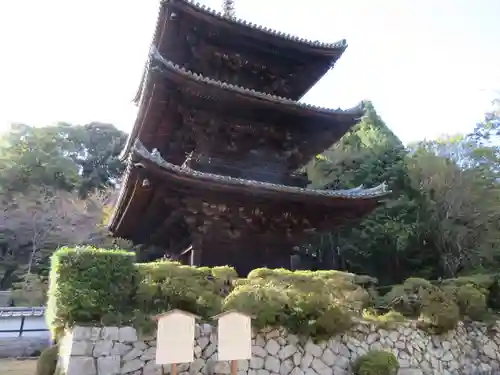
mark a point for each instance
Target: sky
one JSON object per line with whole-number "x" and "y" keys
{"x": 430, "y": 67}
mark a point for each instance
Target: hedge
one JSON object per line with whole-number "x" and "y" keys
{"x": 96, "y": 286}
{"x": 90, "y": 285}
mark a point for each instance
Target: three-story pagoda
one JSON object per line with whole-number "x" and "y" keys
{"x": 218, "y": 138}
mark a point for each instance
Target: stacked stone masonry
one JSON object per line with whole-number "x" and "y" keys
{"x": 470, "y": 349}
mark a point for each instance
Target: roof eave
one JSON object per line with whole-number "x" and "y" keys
{"x": 359, "y": 193}
{"x": 258, "y": 31}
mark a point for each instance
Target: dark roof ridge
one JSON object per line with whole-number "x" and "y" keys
{"x": 286, "y": 36}
{"x": 356, "y": 193}
{"x": 156, "y": 56}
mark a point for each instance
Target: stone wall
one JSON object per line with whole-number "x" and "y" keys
{"x": 112, "y": 350}
{"x": 13, "y": 347}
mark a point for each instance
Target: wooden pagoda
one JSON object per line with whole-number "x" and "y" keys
{"x": 219, "y": 136}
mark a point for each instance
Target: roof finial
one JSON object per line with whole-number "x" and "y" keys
{"x": 229, "y": 8}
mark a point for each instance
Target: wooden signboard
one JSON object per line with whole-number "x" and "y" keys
{"x": 234, "y": 336}
{"x": 175, "y": 337}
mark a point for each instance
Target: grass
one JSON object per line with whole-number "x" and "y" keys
{"x": 18, "y": 367}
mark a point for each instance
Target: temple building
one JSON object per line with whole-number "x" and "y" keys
{"x": 219, "y": 137}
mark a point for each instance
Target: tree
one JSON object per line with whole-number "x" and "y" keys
{"x": 99, "y": 146}
{"x": 62, "y": 157}
{"x": 31, "y": 156}
{"x": 34, "y": 224}
{"x": 459, "y": 208}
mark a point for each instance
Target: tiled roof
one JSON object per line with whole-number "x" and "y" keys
{"x": 165, "y": 64}
{"x": 239, "y": 21}
{"x": 9, "y": 312}
{"x": 356, "y": 193}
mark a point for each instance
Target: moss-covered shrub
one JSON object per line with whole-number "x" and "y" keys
{"x": 471, "y": 300}
{"x": 376, "y": 363}
{"x": 89, "y": 285}
{"x": 407, "y": 297}
{"x": 317, "y": 304}
{"x": 388, "y": 320}
{"x": 167, "y": 285}
{"x": 439, "y": 311}
{"x": 47, "y": 362}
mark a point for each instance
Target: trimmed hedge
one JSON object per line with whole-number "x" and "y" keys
{"x": 96, "y": 286}
{"x": 90, "y": 285}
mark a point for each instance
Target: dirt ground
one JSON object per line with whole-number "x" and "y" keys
{"x": 17, "y": 367}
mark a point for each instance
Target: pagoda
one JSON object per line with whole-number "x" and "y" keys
{"x": 219, "y": 137}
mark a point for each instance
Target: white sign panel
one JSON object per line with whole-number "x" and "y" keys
{"x": 234, "y": 336}
{"x": 175, "y": 338}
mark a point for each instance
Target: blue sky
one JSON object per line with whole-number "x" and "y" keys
{"x": 430, "y": 67}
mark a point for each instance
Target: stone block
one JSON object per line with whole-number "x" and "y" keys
{"x": 81, "y": 366}
{"x": 108, "y": 365}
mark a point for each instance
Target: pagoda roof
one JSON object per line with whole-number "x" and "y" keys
{"x": 250, "y": 93}
{"x": 329, "y": 51}
{"x": 293, "y": 193}
{"x": 136, "y": 200}
{"x": 203, "y": 11}
{"x": 338, "y": 121}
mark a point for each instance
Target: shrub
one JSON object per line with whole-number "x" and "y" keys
{"x": 493, "y": 296}
{"x": 166, "y": 285}
{"x": 407, "y": 297}
{"x": 89, "y": 285}
{"x": 439, "y": 311}
{"x": 31, "y": 291}
{"x": 47, "y": 362}
{"x": 317, "y": 304}
{"x": 388, "y": 320}
{"x": 376, "y": 363}
{"x": 471, "y": 301}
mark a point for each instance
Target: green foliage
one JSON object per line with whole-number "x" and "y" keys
{"x": 407, "y": 298}
{"x": 439, "y": 312}
{"x": 442, "y": 219}
{"x": 90, "y": 285}
{"x": 317, "y": 304}
{"x": 493, "y": 299}
{"x": 34, "y": 156}
{"x": 99, "y": 146}
{"x": 472, "y": 302}
{"x": 380, "y": 244}
{"x": 61, "y": 156}
{"x": 47, "y": 362}
{"x": 170, "y": 285}
{"x": 31, "y": 291}
{"x": 376, "y": 363}
{"x": 470, "y": 299}
{"x": 43, "y": 171}
{"x": 388, "y": 320}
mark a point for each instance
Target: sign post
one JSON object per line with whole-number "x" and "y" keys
{"x": 175, "y": 337}
{"x": 235, "y": 337}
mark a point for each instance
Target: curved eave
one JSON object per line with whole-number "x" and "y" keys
{"x": 204, "y": 84}
{"x": 270, "y": 36}
{"x": 175, "y": 71}
{"x": 189, "y": 177}
{"x": 126, "y": 193}
{"x": 330, "y": 51}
